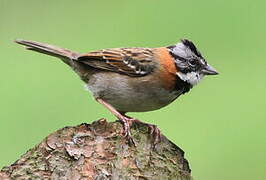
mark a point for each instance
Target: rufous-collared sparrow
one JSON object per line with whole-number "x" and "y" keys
{"x": 134, "y": 79}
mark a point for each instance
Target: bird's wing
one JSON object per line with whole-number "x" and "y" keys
{"x": 130, "y": 61}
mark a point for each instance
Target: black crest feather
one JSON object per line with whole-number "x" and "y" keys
{"x": 191, "y": 46}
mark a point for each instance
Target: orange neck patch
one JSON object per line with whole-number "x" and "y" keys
{"x": 167, "y": 69}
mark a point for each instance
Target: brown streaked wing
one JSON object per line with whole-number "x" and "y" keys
{"x": 130, "y": 61}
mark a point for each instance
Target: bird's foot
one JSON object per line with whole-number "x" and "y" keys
{"x": 154, "y": 131}
{"x": 127, "y": 123}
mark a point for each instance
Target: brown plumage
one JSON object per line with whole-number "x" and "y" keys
{"x": 130, "y": 61}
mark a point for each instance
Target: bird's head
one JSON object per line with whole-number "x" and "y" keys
{"x": 191, "y": 65}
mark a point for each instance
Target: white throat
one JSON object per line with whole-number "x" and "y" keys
{"x": 192, "y": 78}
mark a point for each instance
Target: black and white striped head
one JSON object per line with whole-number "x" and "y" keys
{"x": 192, "y": 67}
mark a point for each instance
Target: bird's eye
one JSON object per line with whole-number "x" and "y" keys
{"x": 193, "y": 62}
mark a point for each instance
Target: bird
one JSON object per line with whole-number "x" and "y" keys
{"x": 134, "y": 79}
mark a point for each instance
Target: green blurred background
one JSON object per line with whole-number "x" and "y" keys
{"x": 220, "y": 124}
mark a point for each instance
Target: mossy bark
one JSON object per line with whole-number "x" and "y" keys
{"x": 99, "y": 151}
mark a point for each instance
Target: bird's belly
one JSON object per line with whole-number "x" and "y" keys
{"x": 128, "y": 101}
{"x": 128, "y": 95}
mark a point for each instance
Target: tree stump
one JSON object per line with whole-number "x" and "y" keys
{"x": 99, "y": 151}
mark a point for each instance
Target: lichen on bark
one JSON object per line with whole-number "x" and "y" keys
{"x": 100, "y": 151}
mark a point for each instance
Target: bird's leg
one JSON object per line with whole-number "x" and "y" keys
{"x": 127, "y": 122}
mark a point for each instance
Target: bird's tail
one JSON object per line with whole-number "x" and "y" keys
{"x": 64, "y": 54}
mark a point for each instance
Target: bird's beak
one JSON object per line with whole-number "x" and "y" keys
{"x": 208, "y": 70}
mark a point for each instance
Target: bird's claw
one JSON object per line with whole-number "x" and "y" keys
{"x": 127, "y": 122}
{"x": 155, "y": 133}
